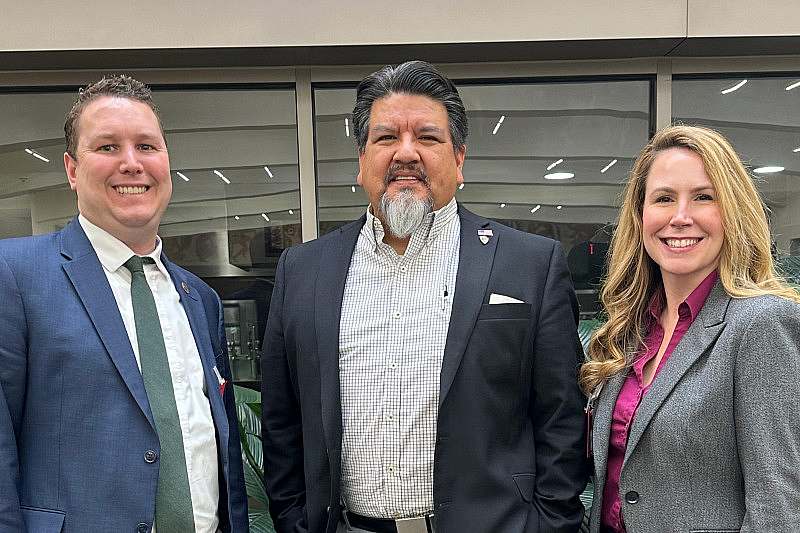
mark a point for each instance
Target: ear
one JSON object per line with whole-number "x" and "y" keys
{"x": 70, "y": 165}
{"x": 461, "y": 154}
{"x": 359, "y": 178}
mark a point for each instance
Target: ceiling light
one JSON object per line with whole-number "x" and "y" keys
{"x": 611, "y": 164}
{"x": 352, "y": 188}
{"x": 795, "y": 85}
{"x": 236, "y": 217}
{"x": 182, "y": 176}
{"x": 796, "y": 149}
{"x": 36, "y": 155}
{"x": 502, "y": 206}
{"x": 734, "y": 88}
{"x": 291, "y": 212}
{"x": 768, "y": 170}
{"x": 559, "y": 176}
{"x": 268, "y": 171}
{"x": 497, "y": 126}
{"x": 222, "y": 177}
{"x": 559, "y": 207}
{"x": 347, "y": 127}
{"x": 265, "y": 217}
{"x": 536, "y": 208}
{"x": 551, "y": 166}
{"x": 462, "y": 185}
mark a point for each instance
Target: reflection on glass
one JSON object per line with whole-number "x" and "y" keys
{"x": 235, "y": 203}
{"x": 546, "y": 158}
{"x": 762, "y": 121}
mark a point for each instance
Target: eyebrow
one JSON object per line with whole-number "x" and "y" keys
{"x": 671, "y": 190}
{"x": 383, "y": 128}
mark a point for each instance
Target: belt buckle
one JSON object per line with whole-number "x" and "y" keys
{"x": 417, "y": 524}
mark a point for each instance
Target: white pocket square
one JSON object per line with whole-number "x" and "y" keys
{"x": 495, "y": 298}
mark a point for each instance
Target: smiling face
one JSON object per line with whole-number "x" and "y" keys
{"x": 681, "y": 219}
{"x": 121, "y": 174}
{"x": 409, "y": 148}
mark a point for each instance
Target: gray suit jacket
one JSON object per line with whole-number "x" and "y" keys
{"x": 715, "y": 444}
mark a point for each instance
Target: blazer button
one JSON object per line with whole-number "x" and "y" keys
{"x": 142, "y": 528}
{"x": 149, "y": 457}
{"x": 632, "y": 497}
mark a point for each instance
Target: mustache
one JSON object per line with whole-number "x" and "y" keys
{"x": 416, "y": 170}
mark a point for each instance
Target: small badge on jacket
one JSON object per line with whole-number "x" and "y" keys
{"x": 222, "y": 381}
{"x": 484, "y": 235}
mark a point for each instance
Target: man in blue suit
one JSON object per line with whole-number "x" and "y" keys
{"x": 115, "y": 409}
{"x": 420, "y": 363}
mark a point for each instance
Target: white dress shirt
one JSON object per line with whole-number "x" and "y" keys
{"x": 395, "y": 316}
{"x": 194, "y": 410}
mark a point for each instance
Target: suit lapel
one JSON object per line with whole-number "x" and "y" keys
{"x": 698, "y": 339}
{"x": 87, "y": 276}
{"x": 601, "y": 430}
{"x": 333, "y": 266}
{"x": 200, "y": 326}
{"x": 474, "y": 266}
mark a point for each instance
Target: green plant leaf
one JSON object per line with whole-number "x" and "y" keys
{"x": 261, "y": 522}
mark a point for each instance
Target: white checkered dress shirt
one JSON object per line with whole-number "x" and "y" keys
{"x": 392, "y": 335}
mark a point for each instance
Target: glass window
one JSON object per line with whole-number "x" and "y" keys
{"x": 545, "y": 157}
{"x": 761, "y": 118}
{"x": 235, "y": 203}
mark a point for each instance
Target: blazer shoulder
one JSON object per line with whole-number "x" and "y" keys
{"x": 29, "y": 252}
{"x": 762, "y": 311}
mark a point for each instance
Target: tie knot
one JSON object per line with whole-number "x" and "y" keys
{"x": 136, "y": 263}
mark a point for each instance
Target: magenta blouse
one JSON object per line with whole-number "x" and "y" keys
{"x": 632, "y": 392}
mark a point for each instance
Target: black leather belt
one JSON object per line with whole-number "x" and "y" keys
{"x": 387, "y": 525}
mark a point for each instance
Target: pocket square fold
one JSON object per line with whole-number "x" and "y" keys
{"x": 495, "y": 298}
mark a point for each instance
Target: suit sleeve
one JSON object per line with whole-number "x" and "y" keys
{"x": 13, "y": 362}
{"x": 556, "y": 405}
{"x": 281, "y": 420}
{"x": 766, "y": 392}
{"x": 237, "y": 493}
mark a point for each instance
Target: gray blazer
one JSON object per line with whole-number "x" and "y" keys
{"x": 715, "y": 444}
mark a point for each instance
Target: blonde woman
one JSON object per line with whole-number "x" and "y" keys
{"x": 695, "y": 376}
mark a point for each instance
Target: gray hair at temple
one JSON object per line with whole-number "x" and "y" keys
{"x": 411, "y": 77}
{"x": 118, "y": 86}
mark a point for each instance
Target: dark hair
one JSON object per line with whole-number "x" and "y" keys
{"x": 411, "y": 77}
{"x": 118, "y": 86}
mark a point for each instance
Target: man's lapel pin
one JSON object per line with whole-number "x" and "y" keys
{"x": 484, "y": 235}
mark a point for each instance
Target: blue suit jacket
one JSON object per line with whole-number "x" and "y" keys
{"x": 74, "y": 417}
{"x": 509, "y": 454}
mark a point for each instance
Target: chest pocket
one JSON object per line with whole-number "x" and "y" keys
{"x": 505, "y": 312}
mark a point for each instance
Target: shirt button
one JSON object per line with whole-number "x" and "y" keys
{"x": 403, "y": 268}
{"x": 396, "y": 314}
{"x": 393, "y": 365}
{"x": 632, "y": 497}
{"x": 150, "y": 457}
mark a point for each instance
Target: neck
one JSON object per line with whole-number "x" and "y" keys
{"x": 398, "y": 245}
{"x": 678, "y": 288}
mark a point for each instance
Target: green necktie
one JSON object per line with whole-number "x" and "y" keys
{"x": 173, "y": 499}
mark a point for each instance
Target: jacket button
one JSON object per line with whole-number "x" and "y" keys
{"x": 149, "y": 457}
{"x": 632, "y": 497}
{"x": 142, "y": 528}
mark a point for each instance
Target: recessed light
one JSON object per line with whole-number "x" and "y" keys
{"x": 222, "y": 177}
{"x": 536, "y": 208}
{"x": 265, "y": 217}
{"x": 768, "y": 170}
{"x": 733, "y": 88}
{"x": 552, "y": 165}
{"x": 796, "y": 149}
{"x": 462, "y": 185}
{"x": 36, "y": 155}
{"x": 559, "y": 207}
{"x": 352, "y": 188}
{"x": 502, "y": 206}
{"x": 268, "y": 171}
{"x": 236, "y": 217}
{"x": 497, "y": 126}
{"x": 347, "y": 127}
{"x": 795, "y": 85}
{"x": 182, "y": 176}
{"x": 611, "y": 164}
{"x": 559, "y": 176}
{"x": 291, "y": 212}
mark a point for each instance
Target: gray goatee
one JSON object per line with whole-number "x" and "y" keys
{"x": 404, "y": 213}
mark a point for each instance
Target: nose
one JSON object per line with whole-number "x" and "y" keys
{"x": 683, "y": 215}
{"x": 406, "y": 152}
{"x": 130, "y": 162}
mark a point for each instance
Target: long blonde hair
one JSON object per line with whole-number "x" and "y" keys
{"x": 746, "y": 267}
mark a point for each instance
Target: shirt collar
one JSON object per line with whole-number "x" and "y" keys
{"x": 691, "y": 305}
{"x": 429, "y": 229}
{"x": 112, "y": 252}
